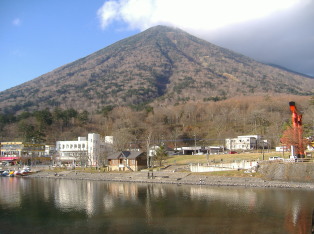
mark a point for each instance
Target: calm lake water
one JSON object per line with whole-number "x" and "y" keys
{"x": 32, "y": 205}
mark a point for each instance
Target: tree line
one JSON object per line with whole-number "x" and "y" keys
{"x": 37, "y": 126}
{"x": 203, "y": 123}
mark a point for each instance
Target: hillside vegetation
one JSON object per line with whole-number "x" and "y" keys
{"x": 207, "y": 123}
{"x": 160, "y": 66}
{"x": 220, "y": 158}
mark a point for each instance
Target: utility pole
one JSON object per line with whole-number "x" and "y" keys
{"x": 147, "y": 148}
{"x": 148, "y": 156}
{"x": 263, "y": 149}
{"x": 194, "y": 143}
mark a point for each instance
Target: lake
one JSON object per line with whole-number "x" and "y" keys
{"x": 34, "y": 205}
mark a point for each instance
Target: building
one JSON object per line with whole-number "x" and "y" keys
{"x": 50, "y": 150}
{"x": 310, "y": 145}
{"x": 127, "y": 160}
{"x": 72, "y": 152}
{"x": 248, "y": 142}
{"x": 13, "y": 152}
{"x": 200, "y": 150}
{"x": 89, "y": 151}
{"x": 282, "y": 149}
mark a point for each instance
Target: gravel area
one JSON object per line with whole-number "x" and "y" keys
{"x": 167, "y": 177}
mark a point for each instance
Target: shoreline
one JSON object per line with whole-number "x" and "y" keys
{"x": 166, "y": 177}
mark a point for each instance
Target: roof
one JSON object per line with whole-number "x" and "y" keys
{"x": 125, "y": 154}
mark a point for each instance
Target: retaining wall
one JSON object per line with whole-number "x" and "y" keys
{"x": 223, "y": 166}
{"x": 297, "y": 172}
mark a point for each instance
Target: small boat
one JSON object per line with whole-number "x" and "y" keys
{"x": 17, "y": 173}
{"x": 11, "y": 174}
{"x": 5, "y": 173}
{"x": 25, "y": 171}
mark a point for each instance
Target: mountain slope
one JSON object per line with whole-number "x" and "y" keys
{"x": 161, "y": 64}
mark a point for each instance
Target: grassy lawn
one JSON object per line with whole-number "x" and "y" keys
{"x": 240, "y": 173}
{"x": 226, "y": 158}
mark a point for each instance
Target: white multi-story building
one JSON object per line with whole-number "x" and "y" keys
{"x": 85, "y": 151}
{"x": 245, "y": 142}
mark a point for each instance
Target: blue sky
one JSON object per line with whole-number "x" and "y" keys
{"x": 37, "y": 36}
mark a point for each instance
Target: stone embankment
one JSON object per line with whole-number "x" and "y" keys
{"x": 273, "y": 178}
{"x": 290, "y": 172}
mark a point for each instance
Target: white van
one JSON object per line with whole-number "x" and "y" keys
{"x": 275, "y": 158}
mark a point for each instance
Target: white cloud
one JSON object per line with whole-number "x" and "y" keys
{"x": 17, "y": 22}
{"x": 274, "y": 31}
{"x": 187, "y": 14}
{"x": 108, "y": 12}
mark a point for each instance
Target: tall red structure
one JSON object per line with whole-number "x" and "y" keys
{"x": 297, "y": 130}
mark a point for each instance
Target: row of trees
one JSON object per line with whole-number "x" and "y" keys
{"x": 38, "y": 126}
{"x": 207, "y": 123}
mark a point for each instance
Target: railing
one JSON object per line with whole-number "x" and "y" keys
{"x": 223, "y": 166}
{"x": 291, "y": 160}
{"x": 129, "y": 168}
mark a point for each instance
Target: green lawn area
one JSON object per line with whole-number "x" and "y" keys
{"x": 186, "y": 159}
{"x": 240, "y": 173}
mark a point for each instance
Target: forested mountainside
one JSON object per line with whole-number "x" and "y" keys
{"x": 160, "y": 66}
{"x": 209, "y": 123}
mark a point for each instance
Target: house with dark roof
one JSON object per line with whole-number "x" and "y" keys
{"x": 127, "y": 160}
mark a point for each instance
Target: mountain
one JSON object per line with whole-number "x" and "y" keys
{"x": 160, "y": 65}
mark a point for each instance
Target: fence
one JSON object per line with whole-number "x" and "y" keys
{"x": 223, "y": 166}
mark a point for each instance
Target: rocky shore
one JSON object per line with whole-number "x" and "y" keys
{"x": 168, "y": 177}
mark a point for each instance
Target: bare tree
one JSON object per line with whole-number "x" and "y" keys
{"x": 122, "y": 139}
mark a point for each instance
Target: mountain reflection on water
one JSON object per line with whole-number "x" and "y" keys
{"x": 60, "y": 205}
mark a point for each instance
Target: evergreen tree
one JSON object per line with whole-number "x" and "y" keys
{"x": 161, "y": 154}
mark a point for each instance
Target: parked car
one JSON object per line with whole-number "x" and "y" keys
{"x": 276, "y": 158}
{"x": 292, "y": 159}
